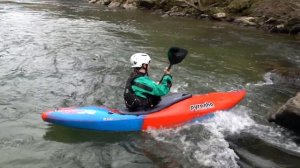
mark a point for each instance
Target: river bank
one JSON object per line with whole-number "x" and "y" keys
{"x": 277, "y": 16}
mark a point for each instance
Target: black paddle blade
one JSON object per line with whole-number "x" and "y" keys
{"x": 176, "y": 55}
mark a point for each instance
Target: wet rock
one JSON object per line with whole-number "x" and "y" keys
{"x": 293, "y": 25}
{"x": 176, "y": 11}
{"x": 280, "y": 28}
{"x": 219, "y": 16}
{"x": 295, "y": 29}
{"x": 216, "y": 13}
{"x": 148, "y": 4}
{"x": 289, "y": 77}
{"x": 129, "y": 4}
{"x": 114, "y": 4}
{"x": 105, "y": 2}
{"x": 204, "y": 16}
{"x": 246, "y": 21}
{"x": 102, "y": 2}
{"x": 289, "y": 114}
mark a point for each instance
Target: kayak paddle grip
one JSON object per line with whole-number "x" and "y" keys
{"x": 170, "y": 66}
{"x": 168, "y": 69}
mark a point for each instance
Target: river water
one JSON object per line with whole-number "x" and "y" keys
{"x": 60, "y": 53}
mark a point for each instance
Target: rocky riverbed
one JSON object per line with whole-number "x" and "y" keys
{"x": 280, "y": 16}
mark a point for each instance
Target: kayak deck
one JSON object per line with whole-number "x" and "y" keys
{"x": 164, "y": 103}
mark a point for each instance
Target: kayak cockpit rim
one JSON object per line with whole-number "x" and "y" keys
{"x": 165, "y": 102}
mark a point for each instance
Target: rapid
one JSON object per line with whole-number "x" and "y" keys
{"x": 60, "y": 53}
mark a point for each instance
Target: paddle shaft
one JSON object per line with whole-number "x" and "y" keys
{"x": 169, "y": 67}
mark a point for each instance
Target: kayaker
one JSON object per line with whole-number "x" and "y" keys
{"x": 141, "y": 92}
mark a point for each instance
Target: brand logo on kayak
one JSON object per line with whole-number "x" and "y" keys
{"x": 203, "y": 106}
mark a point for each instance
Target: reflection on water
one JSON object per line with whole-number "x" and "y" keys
{"x": 68, "y": 135}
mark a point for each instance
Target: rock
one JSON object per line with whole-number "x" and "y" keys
{"x": 114, "y": 4}
{"x": 280, "y": 28}
{"x": 202, "y": 16}
{"x": 289, "y": 77}
{"x": 176, "y": 11}
{"x": 219, "y": 16}
{"x": 281, "y": 16}
{"x": 295, "y": 29}
{"x": 105, "y": 2}
{"x": 129, "y": 6}
{"x": 102, "y": 2}
{"x": 148, "y": 4}
{"x": 93, "y": 1}
{"x": 293, "y": 25}
{"x": 289, "y": 114}
{"x": 247, "y": 21}
{"x": 238, "y": 5}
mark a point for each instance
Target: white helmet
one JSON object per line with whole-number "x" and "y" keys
{"x": 138, "y": 59}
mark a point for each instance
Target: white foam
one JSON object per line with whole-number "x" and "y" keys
{"x": 232, "y": 122}
{"x": 212, "y": 151}
{"x": 177, "y": 87}
{"x": 208, "y": 146}
{"x": 267, "y": 80}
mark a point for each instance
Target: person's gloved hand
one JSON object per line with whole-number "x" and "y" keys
{"x": 167, "y": 71}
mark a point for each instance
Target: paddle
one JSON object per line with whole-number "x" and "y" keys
{"x": 175, "y": 56}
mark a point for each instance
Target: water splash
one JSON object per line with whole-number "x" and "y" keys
{"x": 231, "y": 122}
{"x": 178, "y": 87}
{"x": 238, "y": 120}
{"x": 267, "y": 80}
{"x": 205, "y": 142}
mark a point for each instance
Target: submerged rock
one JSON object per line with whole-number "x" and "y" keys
{"x": 289, "y": 114}
{"x": 289, "y": 77}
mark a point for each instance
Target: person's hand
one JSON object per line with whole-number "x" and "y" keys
{"x": 167, "y": 71}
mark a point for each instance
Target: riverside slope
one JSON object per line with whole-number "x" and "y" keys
{"x": 280, "y": 16}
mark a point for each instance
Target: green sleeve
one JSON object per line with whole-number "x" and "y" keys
{"x": 145, "y": 84}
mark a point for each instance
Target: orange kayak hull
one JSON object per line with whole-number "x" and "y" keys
{"x": 192, "y": 108}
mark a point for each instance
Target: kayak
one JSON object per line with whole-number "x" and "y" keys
{"x": 172, "y": 111}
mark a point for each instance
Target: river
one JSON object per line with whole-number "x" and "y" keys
{"x": 59, "y": 53}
